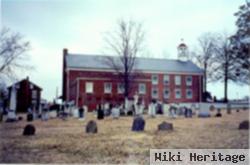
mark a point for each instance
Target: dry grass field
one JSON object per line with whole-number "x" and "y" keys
{"x": 58, "y": 141}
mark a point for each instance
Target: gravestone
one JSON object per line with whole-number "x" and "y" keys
{"x": 138, "y": 124}
{"x": 138, "y": 109}
{"x": 100, "y": 113}
{"x": 20, "y": 118}
{"x": 29, "y": 117}
{"x": 81, "y": 112}
{"x": 204, "y": 111}
{"x": 164, "y": 126}
{"x": 152, "y": 109}
{"x": 29, "y": 130}
{"x": 11, "y": 116}
{"x": 166, "y": 109}
{"x": 188, "y": 112}
{"x": 244, "y": 125}
{"x": 91, "y": 127}
{"x": 115, "y": 112}
{"x": 172, "y": 111}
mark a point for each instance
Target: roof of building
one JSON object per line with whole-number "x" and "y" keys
{"x": 80, "y": 61}
{"x": 29, "y": 82}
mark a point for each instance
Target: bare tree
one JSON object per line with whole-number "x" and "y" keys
{"x": 225, "y": 63}
{"x": 12, "y": 53}
{"x": 126, "y": 42}
{"x": 204, "y": 55}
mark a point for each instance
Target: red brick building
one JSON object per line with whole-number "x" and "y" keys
{"x": 88, "y": 81}
{"x": 28, "y": 95}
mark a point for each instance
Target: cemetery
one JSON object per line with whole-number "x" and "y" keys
{"x": 97, "y": 137}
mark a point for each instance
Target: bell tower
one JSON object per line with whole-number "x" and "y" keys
{"x": 182, "y": 51}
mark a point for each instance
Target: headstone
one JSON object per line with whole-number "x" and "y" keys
{"x": 218, "y": 114}
{"x": 188, "y": 112}
{"x": 100, "y": 113}
{"x": 20, "y": 118}
{"x": 11, "y": 116}
{"x": 29, "y": 130}
{"x": 166, "y": 109}
{"x": 52, "y": 114}
{"x": 152, "y": 109}
{"x": 172, "y": 111}
{"x": 164, "y": 126}
{"x": 138, "y": 109}
{"x": 115, "y": 112}
{"x": 244, "y": 125}
{"x": 138, "y": 124}
{"x": 91, "y": 127}
{"x": 81, "y": 112}
{"x": 29, "y": 117}
{"x": 204, "y": 111}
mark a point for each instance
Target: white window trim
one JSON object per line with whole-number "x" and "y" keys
{"x": 139, "y": 88}
{"x": 152, "y": 93}
{"x": 152, "y": 79}
{"x": 106, "y": 90}
{"x": 175, "y": 82}
{"x": 166, "y": 77}
{"x": 164, "y": 96}
{"x": 119, "y": 89}
{"x": 176, "y": 95}
{"x": 187, "y": 82}
{"x": 86, "y": 87}
{"x": 187, "y": 94}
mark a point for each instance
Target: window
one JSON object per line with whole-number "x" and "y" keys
{"x": 177, "y": 80}
{"x": 89, "y": 87}
{"x": 166, "y": 79}
{"x": 142, "y": 88}
{"x": 107, "y": 87}
{"x": 189, "y": 94}
{"x": 120, "y": 88}
{"x": 189, "y": 80}
{"x": 166, "y": 93}
{"x": 154, "y": 79}
{"x": 34, "y": 94}
{"x": 154, "y": 92}
{"x": 177, "y": 93}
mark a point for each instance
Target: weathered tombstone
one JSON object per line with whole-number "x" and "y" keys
{"x": 172, "y": 111}
{"x": 204, "y": 111}
{"x": 244, "y": 125}
{"x": 91, "y": 127}
{"x": 166, "y": 109}
{"x": 138, "y": 109}
{"x": 20, "y": 118}
{"x": 29, "y": 117}
{"x": 81, "y": 112}
{"x": 29, "y": 130}
{"x": 100, "y": 113}
{"x": 164, "y": 126}
{"x": 138, "y": 124}
{"x": 152, "y": 109}
{"x": 115, "y": 112}
{"x": 188, "y": 112}
{"x": 11, "y": 116}
{"x": 218, "y": 114}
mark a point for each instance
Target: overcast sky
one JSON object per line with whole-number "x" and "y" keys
{"x": 80, "y": 25}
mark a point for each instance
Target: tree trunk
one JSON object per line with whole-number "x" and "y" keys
{"x": 205, "y": 77}
{"x": 226, "y": 86}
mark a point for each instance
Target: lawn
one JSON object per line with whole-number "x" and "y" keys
{"x": 58, "y": 141}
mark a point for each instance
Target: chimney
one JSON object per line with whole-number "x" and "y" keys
{"x": 65, "y": 51}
